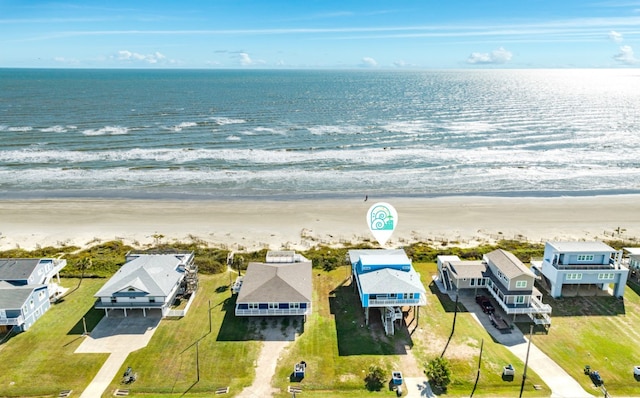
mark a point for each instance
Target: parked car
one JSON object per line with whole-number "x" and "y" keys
{"x": 636, "y": 371}
{"x": 595, "y": 378}
{"x": 485, "y": 304}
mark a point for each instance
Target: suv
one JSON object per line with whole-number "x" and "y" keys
{"x": 485, "y": 304}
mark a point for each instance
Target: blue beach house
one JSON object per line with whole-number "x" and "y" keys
{"x": 21, "y": 306}
{"x": 386, "y": 280}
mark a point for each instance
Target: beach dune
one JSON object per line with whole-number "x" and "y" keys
{"x": 300, "y": 224}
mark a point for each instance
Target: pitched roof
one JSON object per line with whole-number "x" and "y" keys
{"x": 276, "y": 283}
{"x": 467, "y": 269}
{"x": 154, "y": 274}
{"x": 356, "y": 254}
{"x": 508, "y": 263}
{"x": 387, "y": 280}
{"x": 17, "y": 268}
{"x": 14, "y": 297}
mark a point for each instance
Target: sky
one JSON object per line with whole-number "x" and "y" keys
{"x": 320, "y": 34}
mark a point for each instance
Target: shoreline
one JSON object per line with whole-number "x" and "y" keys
{"x": 300, "y": 224}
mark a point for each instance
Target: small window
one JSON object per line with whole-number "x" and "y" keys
{"x": 519, "y": 299}
{"x": 253, "y": 306}
{"x": 574, "y": 277}
{"x": 294, "y": 305}
{"x": 114, "y": 300}
{"x": 273, "y": 306}
{"x": 521, "y": 284}
{"x": 585, "y": 257}
{"x": 605, "y": 276}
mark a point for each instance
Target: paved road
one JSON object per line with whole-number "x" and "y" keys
{"x": 118, "y": 336}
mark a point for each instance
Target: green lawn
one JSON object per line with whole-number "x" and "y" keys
{"x": 338, "y": 349}
{"x": 41, "y": 362}
{"x": 602, "y": 332}
{"x": 335, "y": 343}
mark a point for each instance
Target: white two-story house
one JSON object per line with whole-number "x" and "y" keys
{"x": 582, "y": 263}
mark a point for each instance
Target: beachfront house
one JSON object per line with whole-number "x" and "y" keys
{"x": 21, "y": 305}
{"x": 632, "y": 260}
{"x": 148, "y": 282}
{"x": 387, "y": 281}
{"x": 568, "y": 267}
{"x": 503, "y": 276}
{"x": 280, "y": 286}
{"x": 33, "y": 271}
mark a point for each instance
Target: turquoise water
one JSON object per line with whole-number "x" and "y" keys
{"x": 298, "y": 134}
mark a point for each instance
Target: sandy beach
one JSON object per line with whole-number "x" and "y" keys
{"x": 300, "y": 224}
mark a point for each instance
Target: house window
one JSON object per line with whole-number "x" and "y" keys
{"x": 152, "y": 299}
{"x": 585, "y": 257}
{"x": 472, "y": 282}
{"x": 253, "y": 306}
{"x": 574, "y": 276}
{"x": 31, "y": 304}
{"x": 114, "y": 300}
{"x": 521, "y": 284}
{"x": 131, "y": 289}
{"x": 273, "y": 306}
{"x": 519, "y": 299}
{"x": 40, "y": 294}
{"x": 294, "y": 305}
{"x": 605, "y": 276}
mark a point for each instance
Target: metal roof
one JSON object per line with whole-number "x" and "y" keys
{"x": 154, "y": 274}
{"x": 387, "y": 280}
{"x": 581, "y": 247}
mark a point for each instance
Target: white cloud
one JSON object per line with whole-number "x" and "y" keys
{"x": 368, "y": 62}
{"x": 245, "y": 59}
{"x": 499, "y": 56}
{"x": 125, "y": 55}
{"x": 625, "y": 56}
{"x": 615, "y": 36}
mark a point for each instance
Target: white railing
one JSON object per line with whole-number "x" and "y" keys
{"x": 396, "y": 302}
{"x": 273, "y": 311}
{"x": 182, "y": 312}
{"x": 12, "y": 321}
{"x": 535, "y": 306}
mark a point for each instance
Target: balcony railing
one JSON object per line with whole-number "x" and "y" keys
{"x": 273, "y": 311}
{"x": 12, "y": 321}
{"x": 535, "y": 306}
{"x": 395, "y": 302}
{"x": 100, "y": 305}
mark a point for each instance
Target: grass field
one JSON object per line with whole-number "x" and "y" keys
{"x": 41, "y": 361}
{"x": 602, "y": 332}
{"x": 335, "y": 343}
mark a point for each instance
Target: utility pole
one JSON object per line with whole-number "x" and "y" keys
{"x": 526, "y": 361}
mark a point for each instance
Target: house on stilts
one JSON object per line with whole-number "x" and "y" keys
{"x": 387, "y": 281}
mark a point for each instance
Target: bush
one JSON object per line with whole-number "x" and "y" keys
{"x": 439, "y": 373}
{"x": 375, "y": 379}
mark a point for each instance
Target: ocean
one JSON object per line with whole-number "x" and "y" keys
{"x": 293, "y": 134}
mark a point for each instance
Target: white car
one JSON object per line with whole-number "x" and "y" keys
{"x": 636, "y": 370}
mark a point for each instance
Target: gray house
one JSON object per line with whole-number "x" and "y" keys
{"x": 503, "y": 276}
{"x": 575, "y": 264}
{"x": 280, "y": 286}
{"x": 21, "y": 306}
{"x": 147, "y": 282}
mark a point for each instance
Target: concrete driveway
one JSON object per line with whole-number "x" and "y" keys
{"x": 118, "y": 336}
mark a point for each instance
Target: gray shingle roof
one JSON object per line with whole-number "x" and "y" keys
{"x": 17, "y": 268}
{"x": 467, "y": 269}
{"x": 276, "y": 283}
{"x": 155, "y": 274}
{"x": 14, "y": 297}
{"x": 507, "y": 263}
